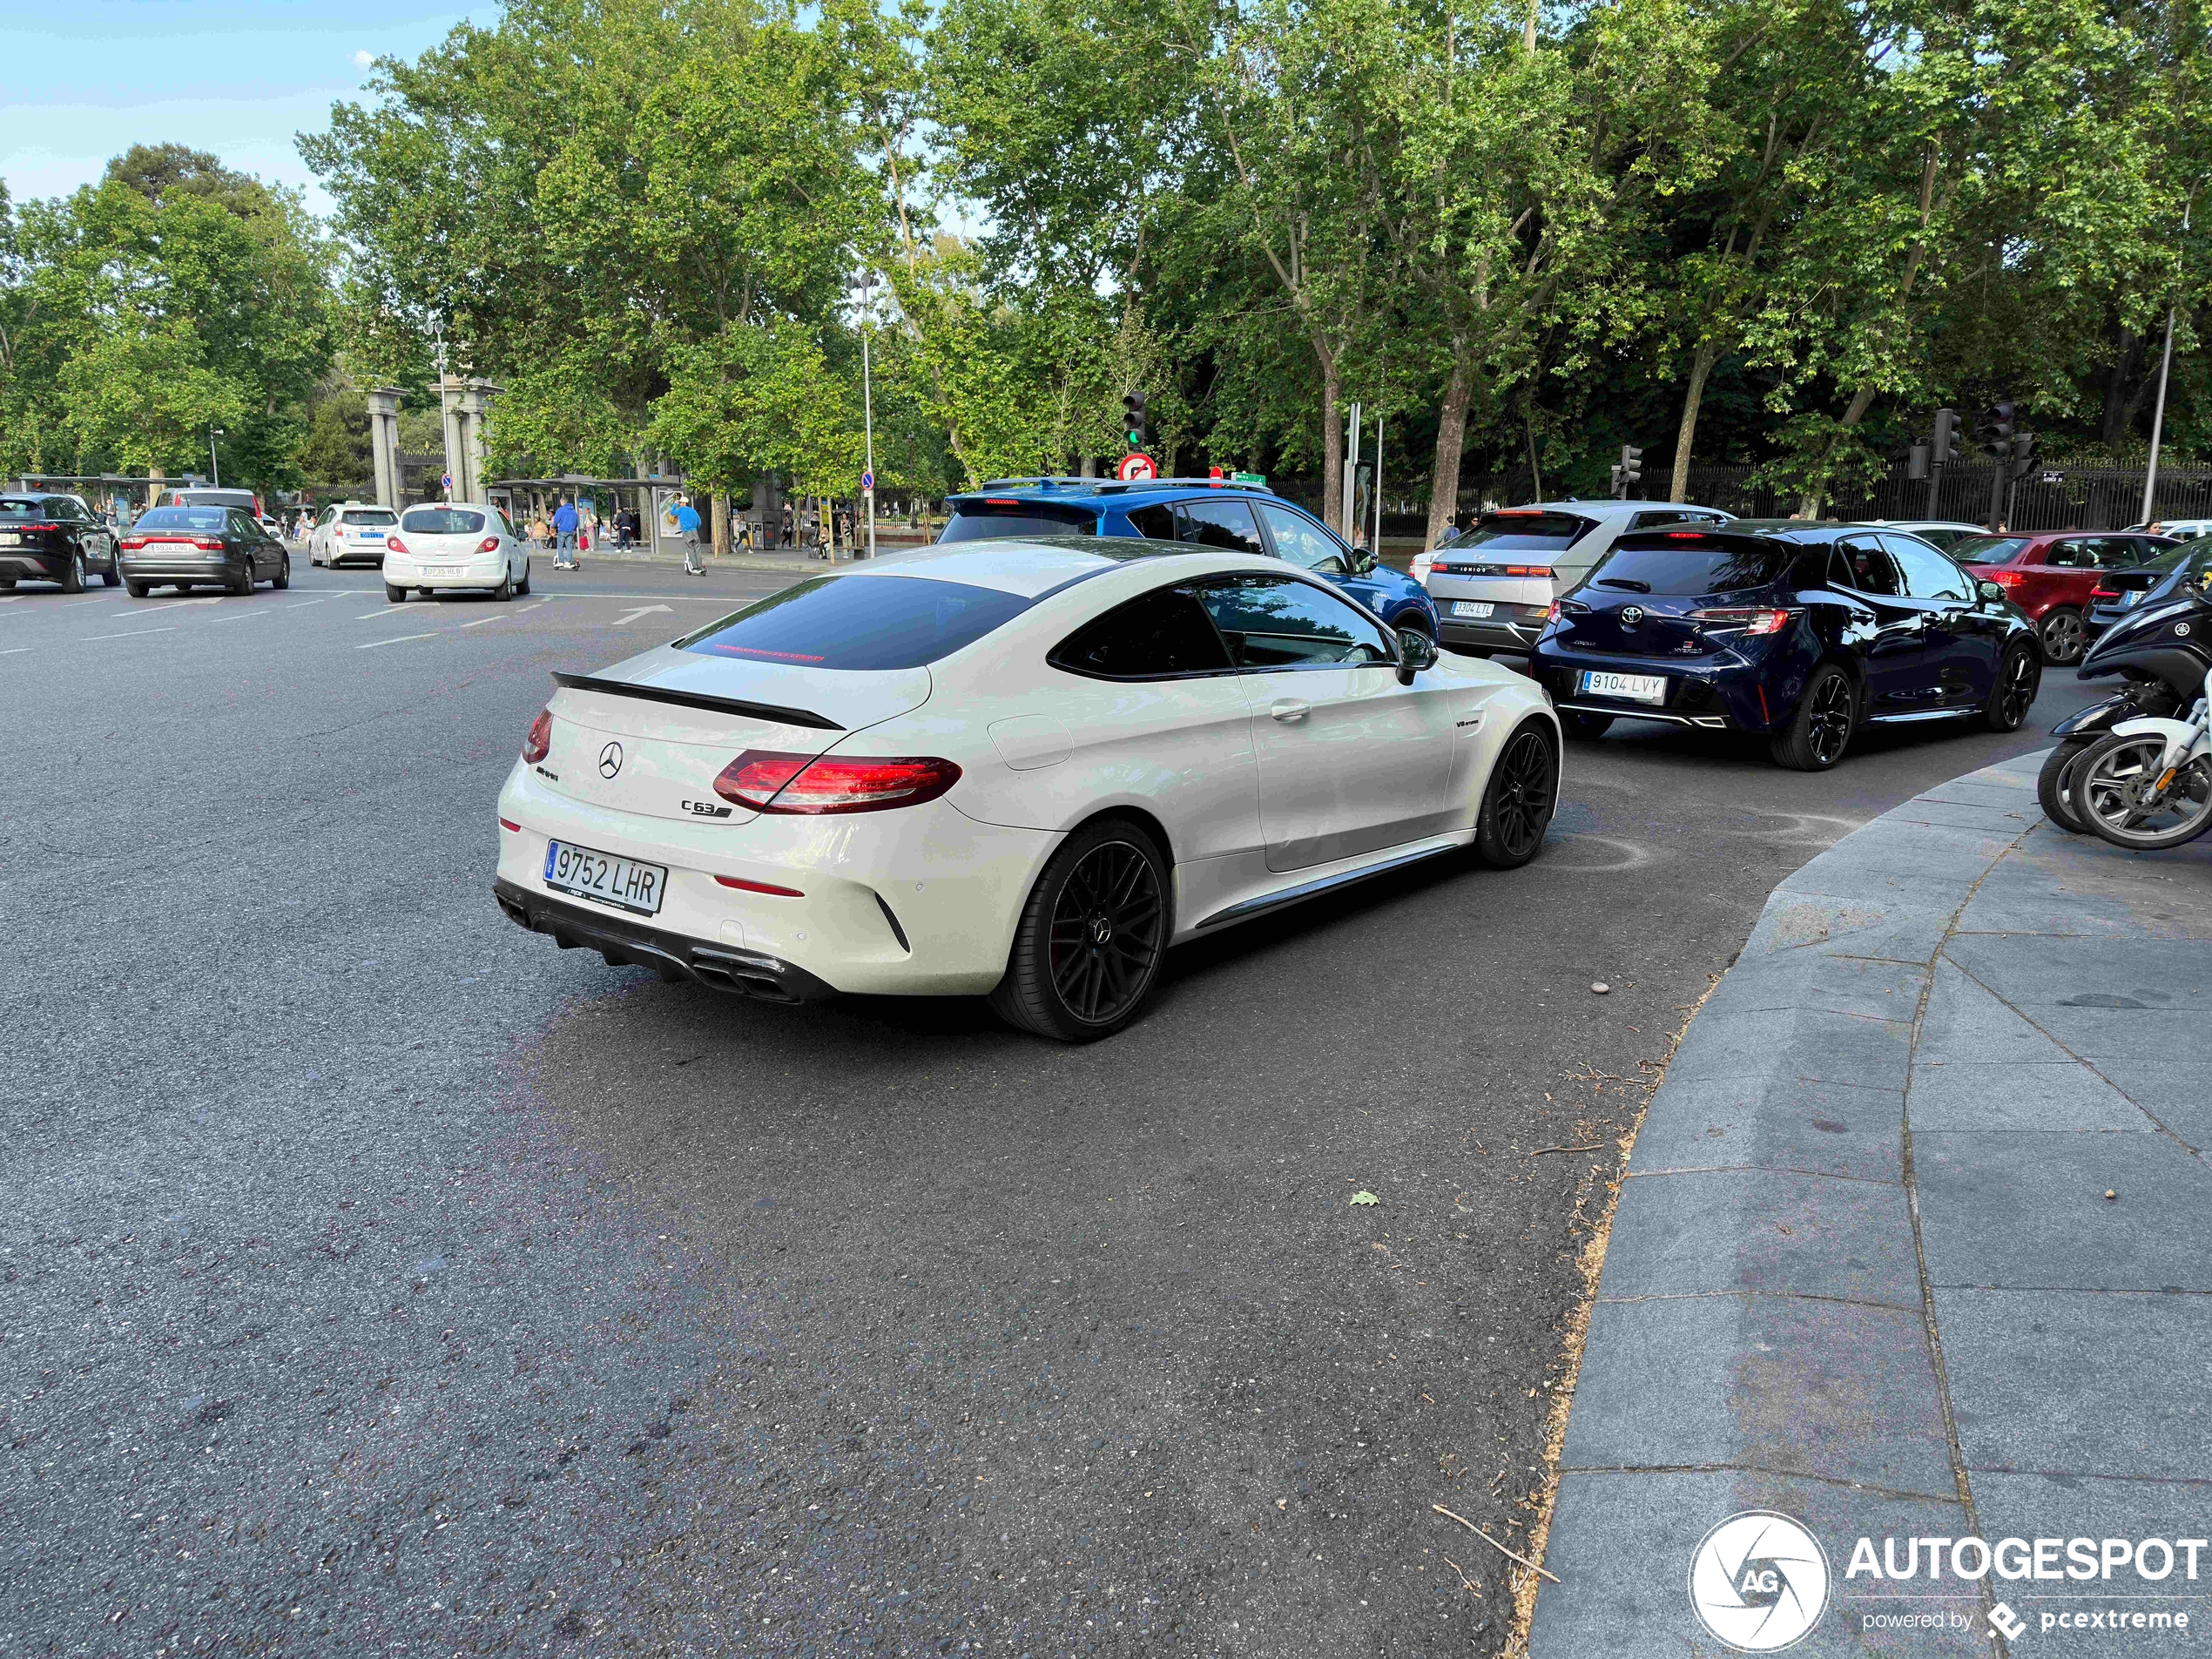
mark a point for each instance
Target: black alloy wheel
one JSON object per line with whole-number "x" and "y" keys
{"x": 2063, "y": 636}
{"x": 1822, "y": 728}
{"x": 2019, "y": 676}
{"x": 1518, "y": 802}
{"x": 1090, "y": 939}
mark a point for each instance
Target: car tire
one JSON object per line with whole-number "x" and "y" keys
{"x": 2062, "y": 633}
{"x": 2055, "y": 789}
{"x": 522, "y": 588}
{"x": 242, "y": 583}
{"x": 1520, "y": 798}
{"x": 1826, "y": 720}
{"x": 73, "y": 574}
{"x": 2019, "y": 676}
{"x": 505, "y": 591}
{"x": 1091, "y": 936}
{"x": 282, "y": 579}
{"x": 138, "y": 590}
{"x": 395, "y": 596}
{"x": 1584, "y": 728}
{"x": 113, "y": 575}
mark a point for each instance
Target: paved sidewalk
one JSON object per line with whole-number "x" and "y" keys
{"x": 1864, "y": 1271}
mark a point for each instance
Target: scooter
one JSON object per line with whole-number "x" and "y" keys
{"x": 2162, "y": 670}
{"x": 2148, "y": 783}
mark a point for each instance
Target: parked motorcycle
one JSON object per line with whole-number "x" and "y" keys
{"x": 2147, "y": 782}
{"x": 2163, "y": 674}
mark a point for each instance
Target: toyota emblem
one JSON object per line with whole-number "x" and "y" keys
{"x": 611, "y": 760}
{"x": 1632, "y": 615}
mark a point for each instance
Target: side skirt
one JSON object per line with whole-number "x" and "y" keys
{"x": 1283, "y": 897}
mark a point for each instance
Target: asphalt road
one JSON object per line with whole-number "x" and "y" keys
{"x": 380, "y": 1279}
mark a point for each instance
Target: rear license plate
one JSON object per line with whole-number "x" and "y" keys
{"x": 10, "y": 539}
{"x": 1636, "y": 688}
{"x": 2126, "y": 599}
{"x": 443, "y": 569}
{"x": 1471, "y": 607}
{"x": 624, "y": 883}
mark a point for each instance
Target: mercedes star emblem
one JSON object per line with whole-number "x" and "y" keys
{"x": 611, "y": 760}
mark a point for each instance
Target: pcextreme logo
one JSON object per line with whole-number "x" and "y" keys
{"x": 1759, "y": 1582}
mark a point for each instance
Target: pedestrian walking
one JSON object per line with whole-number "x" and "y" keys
{"x": 687, "y": 526}
{"x": 564, "y": 526}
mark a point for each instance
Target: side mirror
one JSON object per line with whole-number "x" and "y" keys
{"x": 1989, "y": 589}
{"x": 1363, "y": 562}
{"x": 1416, "y": 651}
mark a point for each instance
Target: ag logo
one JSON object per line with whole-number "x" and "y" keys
{"x": 1632, "y": 615}
{"x": 1759, "y": 1582}
{"x": 611, "y": 760}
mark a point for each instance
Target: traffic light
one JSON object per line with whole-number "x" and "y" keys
{"x": 2023, "y": 454}
{"x": 1629, "y": 471}
{"x": 1995, "y": 433}
{"x": 1943, "y": 450}
{"x": 1135, "y": 427}
{"x": 1915, "y": 462}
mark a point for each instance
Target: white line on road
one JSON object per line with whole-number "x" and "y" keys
{"x": 134, "y": 634}
{"x": 500, "y": 616}
{"x": 398, "y": 640}
{"x": 147, "y": 610}
{"x": 642, "y": 611}
{"x": 240, "y": 616}
{"x": 14, "y": 651}
{"x": 305, "y": 603}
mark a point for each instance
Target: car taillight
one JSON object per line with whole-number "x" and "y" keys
{"x": 768, "y": 781}
{"x": 539, "y": 744}
{"x": 1552, "y": 614}
{"x": 39, "y": 527}
{"x": 393, "y": 545}
{"x": 768, "y": 887}
{"x": 2104, "y": 593}
{"x": 490, "y": 544}
{"x": 1754, "y": 620}
{"x": 2006, "y": 578}
{"x": 208, "y": 543}
{"x": 131, "y": 543}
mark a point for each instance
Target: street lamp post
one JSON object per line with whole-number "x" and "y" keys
{"x": 216, "y": 467}
{"x": 868, "y": 402}
{"x": 2165, "y": 369}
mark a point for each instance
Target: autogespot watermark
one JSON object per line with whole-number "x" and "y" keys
{"x": 1760, "y": 1583}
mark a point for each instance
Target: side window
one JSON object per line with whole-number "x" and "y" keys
{"x": 1164, "y": 634}
{"x": 1653, "y": 520}
{"x": 1863, "y": 566}
{"x": 1271, "y": 622}
{"x": 2073, "y": 554}
{"x": 507, "y": 524}
{"x": 1928, "y": 575}
{"x": 1154, "y": 523}
{"x": 59, "y": 507}
{"x": 243, "y": 526}
{"x": 2123, "y": 552}
{"x": 1225, "y": 524}
{"x": 1302, "y": 542}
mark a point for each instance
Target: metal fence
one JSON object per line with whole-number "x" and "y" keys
{"x": 2059, "y": 495}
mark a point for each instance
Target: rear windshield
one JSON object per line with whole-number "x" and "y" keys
{"x": 17, "y": 507}
{"x": 213, "y": 498}
{"x": 438, "y": 520}
{"x": 859, "y": 622}
{"x": 1679, "y": 567}
{"x": 1522, "y": 532}
{"x": 185, "y": 518}
{"x": 984, "y": 521}
{"x": 368, "y": 516}
{"x": 1987, "y": 549}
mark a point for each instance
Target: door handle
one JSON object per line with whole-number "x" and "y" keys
{"x": 1289, "y": 710}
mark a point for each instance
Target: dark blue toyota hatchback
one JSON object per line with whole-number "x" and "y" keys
{"x": 1801, "y": 632}
{"x": 1209, "y": 512}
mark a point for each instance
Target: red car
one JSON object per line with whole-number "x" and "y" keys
{"x": 2051, "y": 575}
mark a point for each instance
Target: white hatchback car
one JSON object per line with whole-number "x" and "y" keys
{"x": 456, "y": 545}
{"x": 350, "y": 532}
{"x": 1016, "y": 768}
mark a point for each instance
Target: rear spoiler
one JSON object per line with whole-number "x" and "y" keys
{"x": 695, "y": 700}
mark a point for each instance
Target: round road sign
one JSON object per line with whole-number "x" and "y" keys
{"x": 1136, "y": 466}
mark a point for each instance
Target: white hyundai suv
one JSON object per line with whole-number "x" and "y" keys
{"x": 1494, "y": 583}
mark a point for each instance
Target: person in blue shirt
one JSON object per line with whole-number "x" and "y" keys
{"x": 564, "y": 526}
{"x": 687, "y": 526}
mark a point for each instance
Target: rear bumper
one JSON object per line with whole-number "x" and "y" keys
{"x": 1492, "y": 635}
{"x": 151, "y": 566}
{"x": 1732, "y": 695}
{"x": 477, "y": 571}
{"x": 628, "y": 943}
{"x": 32, "y": 564}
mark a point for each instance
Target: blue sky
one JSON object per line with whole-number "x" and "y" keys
{"x": 83, "y": 80}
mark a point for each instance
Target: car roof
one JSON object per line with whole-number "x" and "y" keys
{"x": 1102, "y": 491}
{"x": 1035, "y": 566}
{"x": 1602, "y": 507}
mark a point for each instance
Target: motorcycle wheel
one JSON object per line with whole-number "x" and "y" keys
{"x": 2055, "y": 789}
{"x": 2111, "y": 791}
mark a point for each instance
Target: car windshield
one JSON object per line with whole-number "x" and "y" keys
{"x": 441, "y": 521}
{"x": 1987, "y": 549}
{"x": 368, "y": 516}
{"x": 986, "y": 521}
{"x": 859, "y": 622}
{"x": 185, "y": 518}
{"x": 1520, "y": 532}
{"x": 1674, "y": 568}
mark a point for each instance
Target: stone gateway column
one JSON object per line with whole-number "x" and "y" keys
{"x": 384, "y": 444}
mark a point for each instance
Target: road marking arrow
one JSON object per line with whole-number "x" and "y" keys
{"x": 642, "y": 611}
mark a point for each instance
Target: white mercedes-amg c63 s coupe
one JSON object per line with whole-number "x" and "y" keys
{"x": 1018, "y": 769}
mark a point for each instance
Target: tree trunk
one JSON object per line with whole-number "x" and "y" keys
{"x": 1089, "y": 466}
{"x": 1535, "y": 471}
{"x": 1451, "y": 446}
{"x": 1701, "y": 366}
{"x": 719, "y": 504}
{"x": 1332, "y": 445}
{"x": 2119, "y": 408}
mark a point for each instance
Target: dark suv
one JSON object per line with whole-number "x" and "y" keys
{"x": 1801, "y": 633}
{"x": 54, "y": 538}
{"x": 1209, "y": 512}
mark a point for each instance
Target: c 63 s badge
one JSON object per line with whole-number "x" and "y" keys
{"x": 706, "y": 809}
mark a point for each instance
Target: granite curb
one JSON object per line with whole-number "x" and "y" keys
{"x": 1864, "y": 1270}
